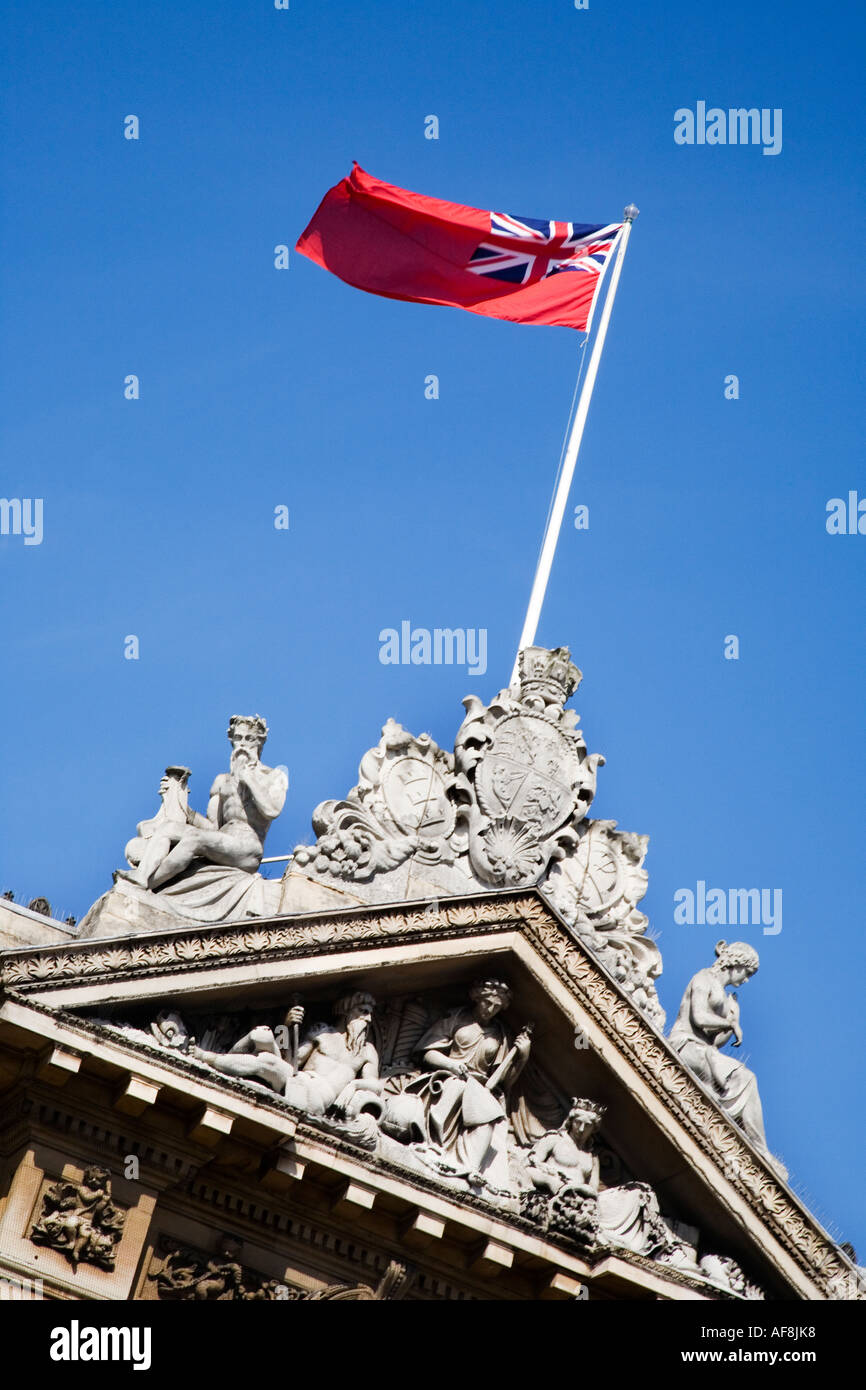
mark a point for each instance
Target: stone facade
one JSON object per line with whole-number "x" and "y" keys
{"x": 429, "y": 1064}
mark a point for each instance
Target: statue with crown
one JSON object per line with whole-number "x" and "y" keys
{"x": 185, "y": 865}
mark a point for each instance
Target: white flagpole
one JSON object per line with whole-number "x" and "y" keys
{"x": 554, "y": 525}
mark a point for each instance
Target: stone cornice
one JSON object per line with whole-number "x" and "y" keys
{"x": 740, "y": 1169}
{"x": 254, "y": 940}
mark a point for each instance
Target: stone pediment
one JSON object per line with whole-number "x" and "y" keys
{"x": 448, "y": 1001}
{"x": 642, "y": 1171}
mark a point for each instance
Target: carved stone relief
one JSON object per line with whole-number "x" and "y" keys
{"x": 596, "y": 890}
{"x": 747, "y": 1177}
{"x": 524, "y": 778}
{"x": 81, "y": 1220}
{"x": 400, "y": 808}
{"x": 183, "y": 1273}
{"x": 507, "y": 809}
{"x": 719, "y": 1269}
{"x": 451, "y": 1093}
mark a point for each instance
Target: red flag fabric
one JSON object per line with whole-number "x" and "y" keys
{"x": 404, "y": 245}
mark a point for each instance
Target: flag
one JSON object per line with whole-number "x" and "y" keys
{"x": 405, "y": 245}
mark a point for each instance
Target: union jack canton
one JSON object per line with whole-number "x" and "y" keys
{"x": 528, "y": 249}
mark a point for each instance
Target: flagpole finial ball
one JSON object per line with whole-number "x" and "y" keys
{"x": 631, "y": 212}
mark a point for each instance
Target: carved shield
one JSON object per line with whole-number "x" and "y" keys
{"x": 529, "y": 774}
{"x": 597, "y": 874}
{"x": 415, "y": 796}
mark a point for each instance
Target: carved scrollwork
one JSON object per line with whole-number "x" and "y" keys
{"x": 596, "y": 890}
{"x": 524, "y": 777}
{"x": 399, "y": 808}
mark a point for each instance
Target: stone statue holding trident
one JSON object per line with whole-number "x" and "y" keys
{"x": 243, "y": 802}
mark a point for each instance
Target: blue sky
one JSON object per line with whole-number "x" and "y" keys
{"x": 262, "y": 387}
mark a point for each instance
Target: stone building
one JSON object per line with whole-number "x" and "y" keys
{"x": 428, "y": 1063}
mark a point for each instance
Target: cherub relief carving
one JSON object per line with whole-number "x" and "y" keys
{"x": 81, "y": 1220}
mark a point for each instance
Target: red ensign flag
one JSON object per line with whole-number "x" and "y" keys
{"x": 405, "y": 245}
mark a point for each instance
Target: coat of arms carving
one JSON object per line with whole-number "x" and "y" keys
{"x": 525, "y": 779}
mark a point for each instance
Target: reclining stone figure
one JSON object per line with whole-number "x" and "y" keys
{"x": 334, "y": 1061}
{"x": 243, "y": 802}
